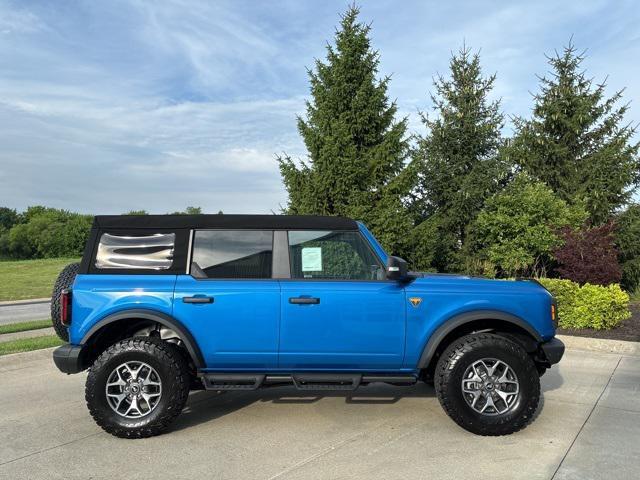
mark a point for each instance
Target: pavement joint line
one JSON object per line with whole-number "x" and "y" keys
{"x": 564, "y": 457}
{"x": 321, "y": 453}
{"x": 386, "y": 444}
{"x": 49, "y": 448}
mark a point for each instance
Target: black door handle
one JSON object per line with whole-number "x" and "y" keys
{"x": 197, "y": 299}
{"x": 304, "y": 300}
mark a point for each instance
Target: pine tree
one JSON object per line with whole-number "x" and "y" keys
{"x": 457, "y": 162}
{"x": 576, "y": 142}
{"x": 356, "y": 148}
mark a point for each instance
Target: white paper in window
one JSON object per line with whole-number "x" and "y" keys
{"x": 312, "y": 259}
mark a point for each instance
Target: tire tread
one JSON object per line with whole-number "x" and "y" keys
{"x": 65, "y": 280}
{"x": 163, "y": 351}
{"x": 463, "y": 346}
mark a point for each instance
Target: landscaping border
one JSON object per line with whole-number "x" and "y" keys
{"x": 620, "y": 347}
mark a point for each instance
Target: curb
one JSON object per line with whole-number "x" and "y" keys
{"x": 39, "y": 332}
{"x": 619, "y": 347}
{"x": 30, "y": 301}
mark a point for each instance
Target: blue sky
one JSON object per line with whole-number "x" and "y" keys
{"x": 118, "y": 105}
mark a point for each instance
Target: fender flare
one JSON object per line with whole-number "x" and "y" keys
{"x": 458, "y": 320}
{"x": 162, "y": 318}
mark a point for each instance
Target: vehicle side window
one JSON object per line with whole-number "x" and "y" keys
{"x": 332, "y": 255}
{"x": 139, "y": 252}
{"x": 233, "y": 253}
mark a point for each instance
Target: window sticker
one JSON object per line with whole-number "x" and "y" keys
{"x": 312, "y": 259}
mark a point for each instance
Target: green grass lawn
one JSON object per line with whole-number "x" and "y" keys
{"x": 23, "y": 279}
{"x": 24, "y": 326}
{"x": 28, "y": 344}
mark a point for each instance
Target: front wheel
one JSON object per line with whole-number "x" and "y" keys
{"x": 487, "y": 384}
{"x": 137, "y": 387}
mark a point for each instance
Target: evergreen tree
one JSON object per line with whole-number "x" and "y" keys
{"x": 457, "y": 163}
{"x": 576, "y": 142}
{"x": 356, "y": 148}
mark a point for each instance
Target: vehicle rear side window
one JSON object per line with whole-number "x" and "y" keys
{"x": 136, "y": 252}
{"x": 233, "y": 253}
{"x": 332, "y": 255}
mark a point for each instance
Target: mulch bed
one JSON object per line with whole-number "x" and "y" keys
{"x": 628, "y": 330}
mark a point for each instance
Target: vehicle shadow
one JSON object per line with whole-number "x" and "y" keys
{"x": 552, "y": 379}
{"x": 205, "y": 406}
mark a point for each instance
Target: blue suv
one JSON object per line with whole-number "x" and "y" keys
{"x": 161, "y": 305}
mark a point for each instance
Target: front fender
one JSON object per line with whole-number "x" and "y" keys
{"x": 457, "y": 321}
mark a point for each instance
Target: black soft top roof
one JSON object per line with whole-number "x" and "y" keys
{"x": 249, "y": 222}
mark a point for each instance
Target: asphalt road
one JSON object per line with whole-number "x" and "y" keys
{"x": 24, "y": 312}
{"x": 588, "y": 428}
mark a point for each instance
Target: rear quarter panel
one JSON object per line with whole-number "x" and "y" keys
{"x": 98, "y": 296}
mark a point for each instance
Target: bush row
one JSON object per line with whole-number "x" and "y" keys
{"x": 42, "y": 232}
{"x": 588, "y": 306}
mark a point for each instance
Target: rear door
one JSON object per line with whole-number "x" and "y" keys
{"x": 229, "y": 301}
{"x": 338, "y": 310}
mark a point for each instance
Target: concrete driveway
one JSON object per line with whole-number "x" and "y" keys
{"x": 588, "y": 427}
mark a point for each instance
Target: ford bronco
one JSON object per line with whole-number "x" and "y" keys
{"x": 164, "y": 304}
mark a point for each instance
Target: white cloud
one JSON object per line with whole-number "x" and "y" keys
{"x": 112, "y": 106}
{"x": 15, "y": 20}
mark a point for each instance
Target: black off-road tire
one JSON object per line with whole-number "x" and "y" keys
{"x": 64, "y": 281}
{"x": 462, "y": 353}
{"x": 172, "y": 369}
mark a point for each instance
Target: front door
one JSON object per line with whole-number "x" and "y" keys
{"x": 338, "y": 310}
{"x": 229, "y": 302}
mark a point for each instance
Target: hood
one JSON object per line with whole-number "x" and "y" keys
{"x": 468, "y": 282}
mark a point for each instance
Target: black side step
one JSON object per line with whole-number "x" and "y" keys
{"x": 319, "y": 381}
{"x": 302, "y": 381}
{"x": 232, "y": 381}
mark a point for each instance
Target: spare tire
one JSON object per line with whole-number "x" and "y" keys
{"x": 64, "y": 281}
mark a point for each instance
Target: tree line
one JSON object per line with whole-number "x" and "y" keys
{"x": 553, "y": 199}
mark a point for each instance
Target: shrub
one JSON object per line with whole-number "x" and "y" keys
{"x": 588, "y": 255}
{"x": 47, "y": 233}
{"x": 516, "y": 231}
{"x": 628, "y": 242}
{"x": 588, "y": 306}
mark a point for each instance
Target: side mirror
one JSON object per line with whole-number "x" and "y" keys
{"x": 396, "y": 268}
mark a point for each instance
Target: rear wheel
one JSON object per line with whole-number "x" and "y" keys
{"x": 487, "y": 384}
{"x": 137, "y": 387}
{"x": 65, "y": 280}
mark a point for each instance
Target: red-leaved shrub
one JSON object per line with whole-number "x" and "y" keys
{"x": 589, "y": 255}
